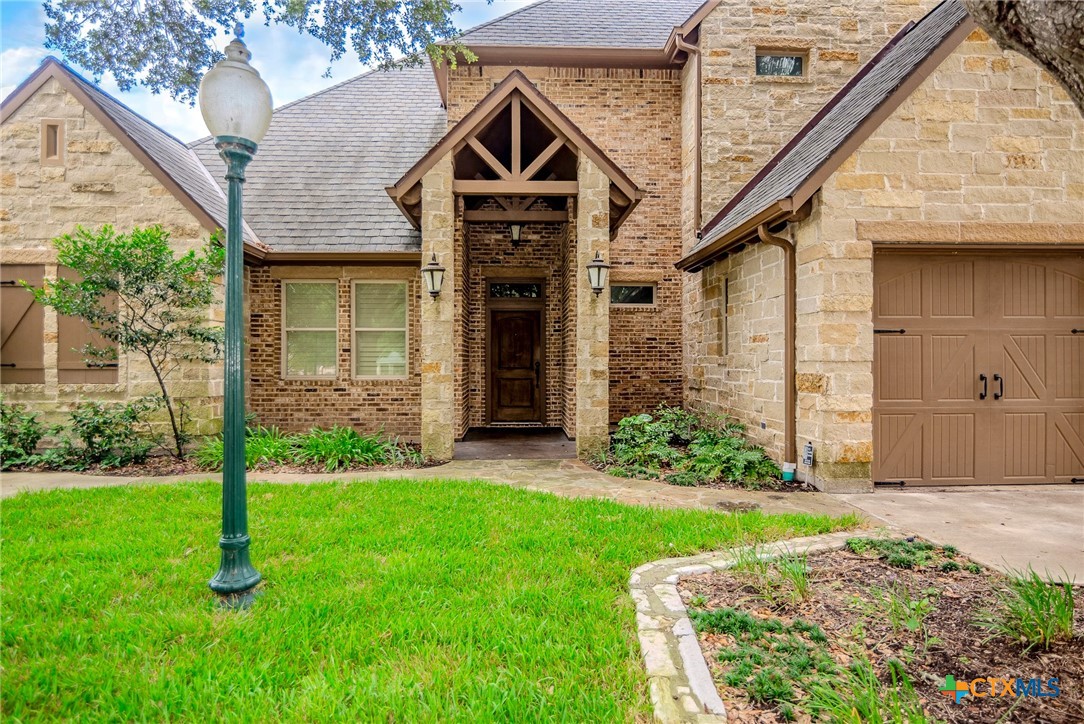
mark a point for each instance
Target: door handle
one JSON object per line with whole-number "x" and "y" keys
{"x": 1001, "y": 387}
{"x": 982, "y": 379}
{"x": 538, "y": 373}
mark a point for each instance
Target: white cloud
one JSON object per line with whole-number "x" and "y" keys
{"x": 16, "y": 64}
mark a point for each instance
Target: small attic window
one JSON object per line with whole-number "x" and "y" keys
{"x": 780, "y": 63}
{"x": 52, "y": 142}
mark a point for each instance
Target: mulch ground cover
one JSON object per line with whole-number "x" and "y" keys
{"x": 848, "y": 602}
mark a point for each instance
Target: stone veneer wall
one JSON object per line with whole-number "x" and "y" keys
{"x": 100, "y": 182}
{"x": 989, "y": 149}
{"x": 298, "y": 405}
{"x": 634, "y": 115}
{"x": 745, "y": 120}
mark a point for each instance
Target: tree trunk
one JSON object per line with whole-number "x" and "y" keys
{"x": 177, "y": 436}
{"x": 1050, "y": 32}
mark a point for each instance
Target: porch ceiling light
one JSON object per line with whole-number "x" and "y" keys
{"x": 516, "y": 230}
{"x": 597, "y": 272}
{"x": 433, "y": 273}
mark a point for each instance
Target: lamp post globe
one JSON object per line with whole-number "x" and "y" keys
{"x": 236, "y": 106}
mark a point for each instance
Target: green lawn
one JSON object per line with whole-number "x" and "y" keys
{"x": 397, "y": 600}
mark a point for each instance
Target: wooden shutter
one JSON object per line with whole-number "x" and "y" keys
{"x": 72, "y": 335}
{"x": 22, "y": 326}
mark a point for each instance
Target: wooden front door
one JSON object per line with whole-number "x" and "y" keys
{"x": 978, "y": 368}
{"x": 515, "y": 365}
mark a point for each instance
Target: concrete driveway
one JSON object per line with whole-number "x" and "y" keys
{"x": 999, "y": 526}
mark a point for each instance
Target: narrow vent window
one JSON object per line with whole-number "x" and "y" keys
{"x": 780, "y": 64}
{"x": 52, "y": 142}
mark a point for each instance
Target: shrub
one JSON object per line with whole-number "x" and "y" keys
{"x": 1032, "y": 611}
{"x": 111, "y": 435}
{"x": 695, "y": 448}
{"x": 335, "y": 449}
{"x": 714, "y": 455}
{"x": 263, "y": 445}
{"x": 20, "y": 433}
{"x": 642, "y": 441}
{"x": 342, "y": 447}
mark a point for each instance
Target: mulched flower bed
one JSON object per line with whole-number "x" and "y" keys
{"x": 165, "y": 465}
{"x": 848, "y": 596}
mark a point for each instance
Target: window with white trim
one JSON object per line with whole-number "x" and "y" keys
{"x": 632, "y": 295}
{"x": 380, "y": 329}
{"x": 310, "y": 328}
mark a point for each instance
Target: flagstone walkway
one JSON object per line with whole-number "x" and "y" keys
{"x": 569, "y": 478}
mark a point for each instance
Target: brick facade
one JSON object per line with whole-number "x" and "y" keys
{"x": 96, "y": 182}
{"x": 634, "y": 116}
{"x": 367, "y": 405}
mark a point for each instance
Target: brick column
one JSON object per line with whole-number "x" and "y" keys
{"x": 592, "y": 313}
{"x": 438, "y": 315}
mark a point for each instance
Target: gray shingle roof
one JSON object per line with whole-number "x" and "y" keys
{"x": 172, "y": 155}
{"x": 317, "y": 181}
{"x": 586, "y": 24}
{"x": 796, "y": 164}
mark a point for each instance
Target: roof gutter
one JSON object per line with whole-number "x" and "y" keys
{"x": 737, "y": 239}
{"x": 790, "y": 306}
{"x": 691, "y": 50}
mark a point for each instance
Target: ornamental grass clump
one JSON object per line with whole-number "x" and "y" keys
{"x": 334, "y": 449}
{"x": 1032, "y": 611}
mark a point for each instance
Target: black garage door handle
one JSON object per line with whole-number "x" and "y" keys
{"x": 1001, "y": 387}
{"x": 982, "y": 379}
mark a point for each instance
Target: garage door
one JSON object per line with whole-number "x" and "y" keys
{"x": 978, "y": 368}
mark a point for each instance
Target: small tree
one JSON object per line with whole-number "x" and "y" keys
{"x": 142, "y": 298}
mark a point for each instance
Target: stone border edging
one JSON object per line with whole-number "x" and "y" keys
{"x": 682, "y": 689}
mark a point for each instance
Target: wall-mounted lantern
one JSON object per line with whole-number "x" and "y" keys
{"x": 516, "y": 230}
{"x": 433, "y": 273}
{"x": 597, "y": 271}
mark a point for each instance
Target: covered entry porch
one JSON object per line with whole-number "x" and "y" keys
{"x": 515, "y": 207}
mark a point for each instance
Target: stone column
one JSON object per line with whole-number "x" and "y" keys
{"x": 592, "y": 313}
{"x": 438, "y": 315}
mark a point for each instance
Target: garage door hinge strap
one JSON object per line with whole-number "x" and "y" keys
{"x": 890, "y": 331}
{"x": 890, "y": 483}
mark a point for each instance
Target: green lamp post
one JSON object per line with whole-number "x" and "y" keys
{"x": 236, "y": 105}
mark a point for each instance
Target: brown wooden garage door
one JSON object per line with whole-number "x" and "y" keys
{"x": 978, "y": 368}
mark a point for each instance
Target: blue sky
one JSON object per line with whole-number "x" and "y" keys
{"x": 292, "y": 64}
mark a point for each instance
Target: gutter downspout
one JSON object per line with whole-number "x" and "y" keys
{"x": 691, "y": 50}
{"x": 790, "y": 302}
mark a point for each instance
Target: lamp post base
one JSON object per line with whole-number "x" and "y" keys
{"x": 235, "y": 572}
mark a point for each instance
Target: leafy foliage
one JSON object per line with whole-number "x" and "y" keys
{"x": 167, "y": 46}
{"x": 335, "y": 449}
{"x": 143, "y": 299}
{"x": 1032, "y": 611}
{"x": 687, "y": 449}
{"x": 901, "y": 553}
{"x": 20, "y": 433}
{"x": 769, "y": 657}
{"x": 107, "y": 434}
